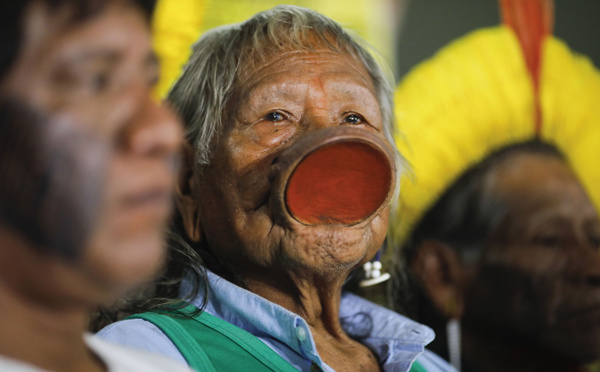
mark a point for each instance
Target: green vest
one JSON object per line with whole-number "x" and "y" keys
{"x": 210, "y": 344}
{"x": 416, "y": 367}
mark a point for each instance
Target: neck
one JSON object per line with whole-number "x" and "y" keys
{"x": 316, "y": 298}
{"x": 485, "y": 353}
{"x": 48, "y": 338}
{"x": 36, "y": 327}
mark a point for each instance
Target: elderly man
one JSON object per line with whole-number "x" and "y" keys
{"x": 253, "y": 96}
{"x": 498, "y": 223}
{"x": 86, "y": 168}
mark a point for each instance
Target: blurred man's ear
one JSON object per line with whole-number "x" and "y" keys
{"x": 186, "y": 194}
{"x": 440, "y": 272}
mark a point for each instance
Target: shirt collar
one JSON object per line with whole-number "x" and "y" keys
{"x": 255, "y": 314}
{"x": 393, "y": 337}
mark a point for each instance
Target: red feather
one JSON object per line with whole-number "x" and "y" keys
{"x": 532, "y": 21}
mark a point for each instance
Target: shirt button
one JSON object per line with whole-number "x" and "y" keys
{"x": 301, "y": 334}
{"x": 314, "y": 367}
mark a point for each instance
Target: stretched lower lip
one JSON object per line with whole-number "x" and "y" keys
{"x": 337, "y": 175}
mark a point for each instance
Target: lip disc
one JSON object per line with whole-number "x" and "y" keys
{"x": 342, "y": 182}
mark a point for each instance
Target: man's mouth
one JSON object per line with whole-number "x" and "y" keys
{"x": 148, "y": 197}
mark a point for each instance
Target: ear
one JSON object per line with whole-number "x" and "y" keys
{"x": 186, "y": 194}
{"x": 440, "y": 272}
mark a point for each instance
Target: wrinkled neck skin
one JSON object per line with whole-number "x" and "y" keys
{"x": 316, "y": 298}
{"x": 306, "y": 272}
{"x": 312, "y": 288}
{"x": 36, "y": 327}
{"x": 313, "y": 296}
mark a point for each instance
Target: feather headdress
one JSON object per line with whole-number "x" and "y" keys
{"x": 490, "y": 89}
{"x": 176, "y": 26}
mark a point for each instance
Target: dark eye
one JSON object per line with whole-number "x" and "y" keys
{"x": 274, "y": 116}
{"x": 98, "y": 82}
{"x": 354, "y": 119}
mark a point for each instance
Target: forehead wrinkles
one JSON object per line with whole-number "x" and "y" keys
{"x": 250, "y": 76}
{"x": 536, "y": 186}
{"x": 523, "y": 173}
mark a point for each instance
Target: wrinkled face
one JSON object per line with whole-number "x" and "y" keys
{"x": 89, "y": 85}
{"x": 540, "y": 277}
{"x": 278, "y": 102}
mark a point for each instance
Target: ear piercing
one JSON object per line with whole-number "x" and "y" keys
{"x": 373, "y": 274}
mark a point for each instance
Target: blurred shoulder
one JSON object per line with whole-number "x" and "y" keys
{"x": 142, "y": 335}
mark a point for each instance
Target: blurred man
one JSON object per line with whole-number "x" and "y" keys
{"x": 87, "y": 162}
{"x": 498, "y": 222}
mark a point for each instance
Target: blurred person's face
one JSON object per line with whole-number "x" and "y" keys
{"x": 278, "y": 102}
{"x": 88, "y": 84}
{"x": 539, "y": 279}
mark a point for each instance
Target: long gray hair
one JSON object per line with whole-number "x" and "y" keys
{"x": 204, "y": 90}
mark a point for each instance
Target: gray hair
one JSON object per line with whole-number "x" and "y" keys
{"x": 201, "y": 97}
{"x": 202, "y": 93}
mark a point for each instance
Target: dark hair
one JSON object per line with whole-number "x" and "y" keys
{"x": 12, "y": 14}
{"x": 464, "y": 217}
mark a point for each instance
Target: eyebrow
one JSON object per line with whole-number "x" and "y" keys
{"x": 85, "y": 56}
{"x": 108, "y": 56}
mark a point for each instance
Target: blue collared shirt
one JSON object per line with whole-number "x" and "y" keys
{"x": 396, "y": 340}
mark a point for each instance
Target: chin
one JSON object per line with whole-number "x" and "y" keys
{"x": 148, "y": 259}
{"x": 328, "y": 248}
{"x": 127, "y": 263}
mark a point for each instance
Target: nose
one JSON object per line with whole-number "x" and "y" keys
{"x": 154, "y": 131}
{"x": 317, "y": 118}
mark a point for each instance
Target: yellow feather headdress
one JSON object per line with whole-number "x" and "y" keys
{"x": 176, "y": 26}
{"x": 476, "y": 96}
